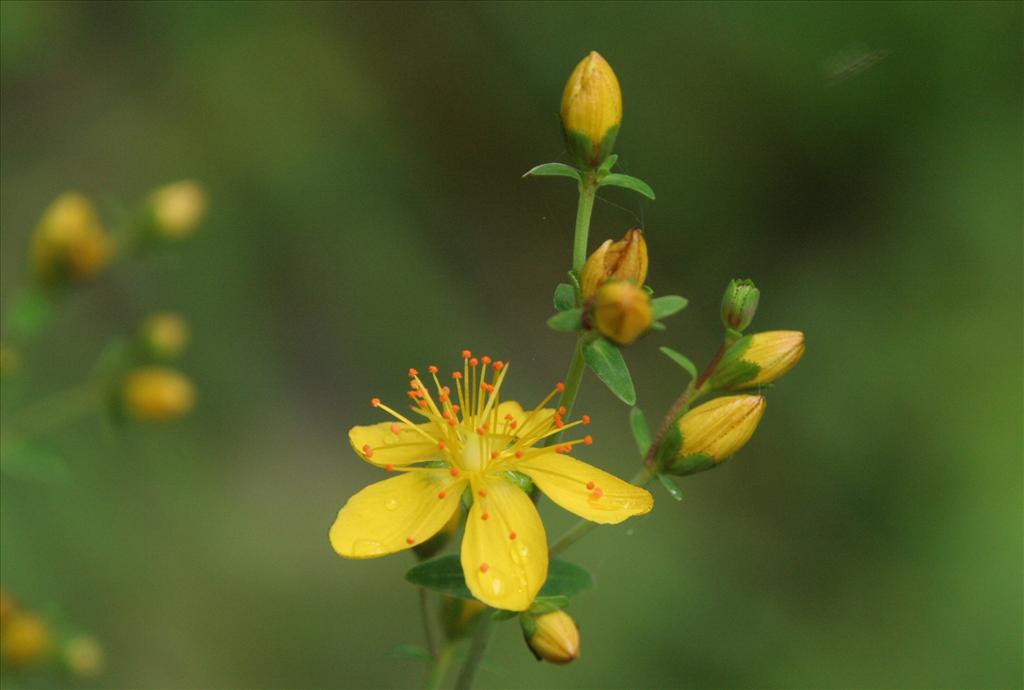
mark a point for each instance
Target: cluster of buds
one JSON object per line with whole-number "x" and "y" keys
{"x": 28, "y": 642}
{"x": 69, "y": 244}
{"x": 591, "y": 110}
{"x": 611, "y": 283}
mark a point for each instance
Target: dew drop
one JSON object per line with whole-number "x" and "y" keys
{"x": 391, "y": 504}
{"x": 362, "y": 548}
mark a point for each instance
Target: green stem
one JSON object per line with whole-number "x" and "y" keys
{"x": 588, "y": 190}
{"x": 428, "y": 628}
{"x": 440, "y": 667}
{"x": 583, "y": 527}
{"x": 477, "y": 650}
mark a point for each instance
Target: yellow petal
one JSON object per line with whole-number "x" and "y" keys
{"x": 384, "y": 517}
{"x": 539, "y": 423}
{"x": 504, "y": 550}
{"x": 406, "y": 447}
{"x": 585, "y": 490}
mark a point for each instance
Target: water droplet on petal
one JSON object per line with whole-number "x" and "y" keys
{"x": 391, "y": 503}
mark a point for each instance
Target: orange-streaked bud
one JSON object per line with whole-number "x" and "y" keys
{"x": 622, "y": 260}
{"x": 714, "y": 431}
{"x": 24, "y": 640}
{"x": 69, "y": 244}
{"x": 758, "y": 359}
{"x": 177, "y": 209}
{"x": 591, "y": 110}
{"x": 553, "y": 637}
{"x": 165, "y": 335}
{"x": 622, "y": 311}
{"x": 83, "y": 657}
{"x": 157, "y": 394}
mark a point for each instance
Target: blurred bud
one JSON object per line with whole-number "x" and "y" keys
{"x": 83, "y": 657}
{"x": 622, "y": 311}
{"x": 8, "y": 606}
{"x": 433, "y": 546}
{"x": 591, "y": 110}
{"x": 622, "y": 260}
{"x": 739, "y": 304}
{"x": 24, "y": 640}
{"x": 458, "y": 615}
{"x": 177, "y": 209}
{"x": 715, "y": 430}
{"x": 165, "y": 335}
{"x": 69, "y": 244}
{"x": 552, "y": 636}
{"x": 9, "y": 361}
{"x": 758, "y": 359}
{"x": 157, "y": 394}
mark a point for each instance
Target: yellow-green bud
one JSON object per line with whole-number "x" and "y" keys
{"x": 177, "y": 209}
{"x": 622, "y": 311}
{"x": 165, "y": 335}
{"x": 24, "y": 640}
{"x": 83, "y": 657}
{"x": 552, "y": 636}
{"x": 758, "y": 359}
{"x": 714, "y": 431}
{"x": 591, "y": 110}
{"x": 739, "y": 304}
{"x": 622, "y": 260}
{"x": 69, "y": 244}
{"x": 157, "y": 394}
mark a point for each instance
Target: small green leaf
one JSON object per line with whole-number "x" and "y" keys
{"x": 669, "y": 446}
{"x": 519, "y": 479}
{"x": 606, "y": 361}
{"x": 566, "y": 321}
{"x": 565, "y": 297}
{"x": 681, "y": 360}
{"x": 657, "y": 326}
{"x": 36, "y": 463}
{"x": 503, "y": 615}
{"x": 607, "y": 165}
{"x": 542, "y": 605}
{"x": 673, "y": 489}
{"x": 667, "y": 305}
{"x": 641, "y": 431}
{"x": 628, "y": 182}
{"x": 410, "y": 651}
{"x": 29, "y": 314}
{"x": 553, "y": 170}
{"x": 444, "y": 575}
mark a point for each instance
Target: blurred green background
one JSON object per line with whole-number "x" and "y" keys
{"x": 862, "y": 162}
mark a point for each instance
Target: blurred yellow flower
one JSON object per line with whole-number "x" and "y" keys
{"x": 69, "y": 243}
{"x": 165, "y": 334}
{"x": 24, "y": 639}
{"x": 471, "y": 440}
{"x": 178, "y": 208}
{"x": 158, "y": 394}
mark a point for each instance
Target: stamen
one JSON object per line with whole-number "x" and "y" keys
{"x": 588, "y": 440}
{"x": 474, "y": 361}
{"x": 494, "y": 455}
{"x": 466, "y": 354}
{"x": 389, "y": 467}
{"x": 560, "y": 387}
{"x": 499, "y": 365}
{"x": 432, "y": 369}
{"x": 519, "y": 453}
{"x": 454, "y": 472}
{"x": 367, "y": 451}
{"x": 456, "y": 374}
{"x": 375, "y": 401}
{"x": 561, "y": 411}
{"x": 585, "y": 419}
{"x": 413, "y": 372}
{"x": 440, "y": 444}
{"x": 485, "y": 359}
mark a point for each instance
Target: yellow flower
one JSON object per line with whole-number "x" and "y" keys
{"x": 622, "y": 311}
{"x": 469, "y": 440}
{"x": 554, "y": 637}
{"x": 158, "y": 394}
{"x": 178, "y": 208}
{"x": 69, "y": 242}
{"x": 592, "y": 109}
{"x": 165, "y": 334}
{"x": 715, "y": 430}
{"x": 758, "y": 359}
{"x": 24, "y": 639}
{"x": 84, "y": 657}
{"x": 622, "y": 260}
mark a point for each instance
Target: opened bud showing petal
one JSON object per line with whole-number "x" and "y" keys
{"x": 177, "y": 209}
{"x": 622, "y": 311}
{"x": 622, "y": 260}
{"x": 714, "y": 431}
{"x": 758, "y": 359}
{"x": 591, "y": 110}
{"x": 158, "y": 394}
{"x": 69, "y": 244}
{"x": 552, "y": 637}
{"x": 739, "y": 304}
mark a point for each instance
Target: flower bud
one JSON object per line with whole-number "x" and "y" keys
{"x": 24, "y": 640}
{"x": 552, "y": 636}
{"x": 758, "y": 359}
{"x": 622, "y": 311}
{"x": 83, "y": 657}
{"x": 591, "y": 110}
{"x": 177, "y": 209}
{"x": 69, "y": 244}
{"x": 739, "y": 304}
{"x": 164, "y": 335}
{"x": 157, "y": 394}
{"x": 458, "y": 615}
{"x": 622, "y": 260}
{"x": 715, "y": 430}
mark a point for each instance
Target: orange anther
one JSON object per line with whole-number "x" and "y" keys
{"x": 562, "y": 410}
{"x": 432, "y": 369}
{"x": 498, "y": 366}
{"x": 590, "y": 485}
{"x": 423, "y": 404}
{"x": 454, "y": 472}
{"x": 413, "y": 372}
{"x": 473, "y": 361}
{"x": 514, "y": 424}
{"x": 585, "y": 419}
{"x": 440, "y": 444}
{"x": 466, "y": 354}
{"x": 389, "y": 467}
{"x": 456, "y": 374}
{"x": 588, "y": 440}
{"x": 412, "y": 394}
{"x": 558, "y": 422}
{"x": 509, "y": 417}
{"x": 484, "y": 567}
{"x": 456, "y": 408}
{"x": 597, "y": 493}
{"x": 560, "y": 387}
{"x": 367, "y": 451}
{"x": 395, "y": 429}
{"x": 451, "y": 422}
{"x": 485, "y": 359}
{"x": 375, "y": 401}
{"x": 519, "y": 453}
{"x": 512, "y": 535}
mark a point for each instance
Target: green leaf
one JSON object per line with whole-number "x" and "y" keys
{"x": 628, "y": 182}
{"x": 606, "y": 361}
{"x": 667, "y": 306}
{"x": 607, "y": 165}
{"x": 410, "y": 651}
{"x": 673, "y": 489}
{"x": 29, "y": 314}
{"x": 657, "y": 326}
{"x": 519, "y": 479}
{"x": 669, "y": 446}
{"x": 542, "y": 605}
{"x": 444, "y": 575}
{"x": 565, "y": 297}
{"x": 34, "y": 462}
{"x": 641, "y": 431}
{"x": 503, "y": 615}
{"x": 553, "y": 170}
{"x": 566, "y": 321}
{"x": 681, "y": 360}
